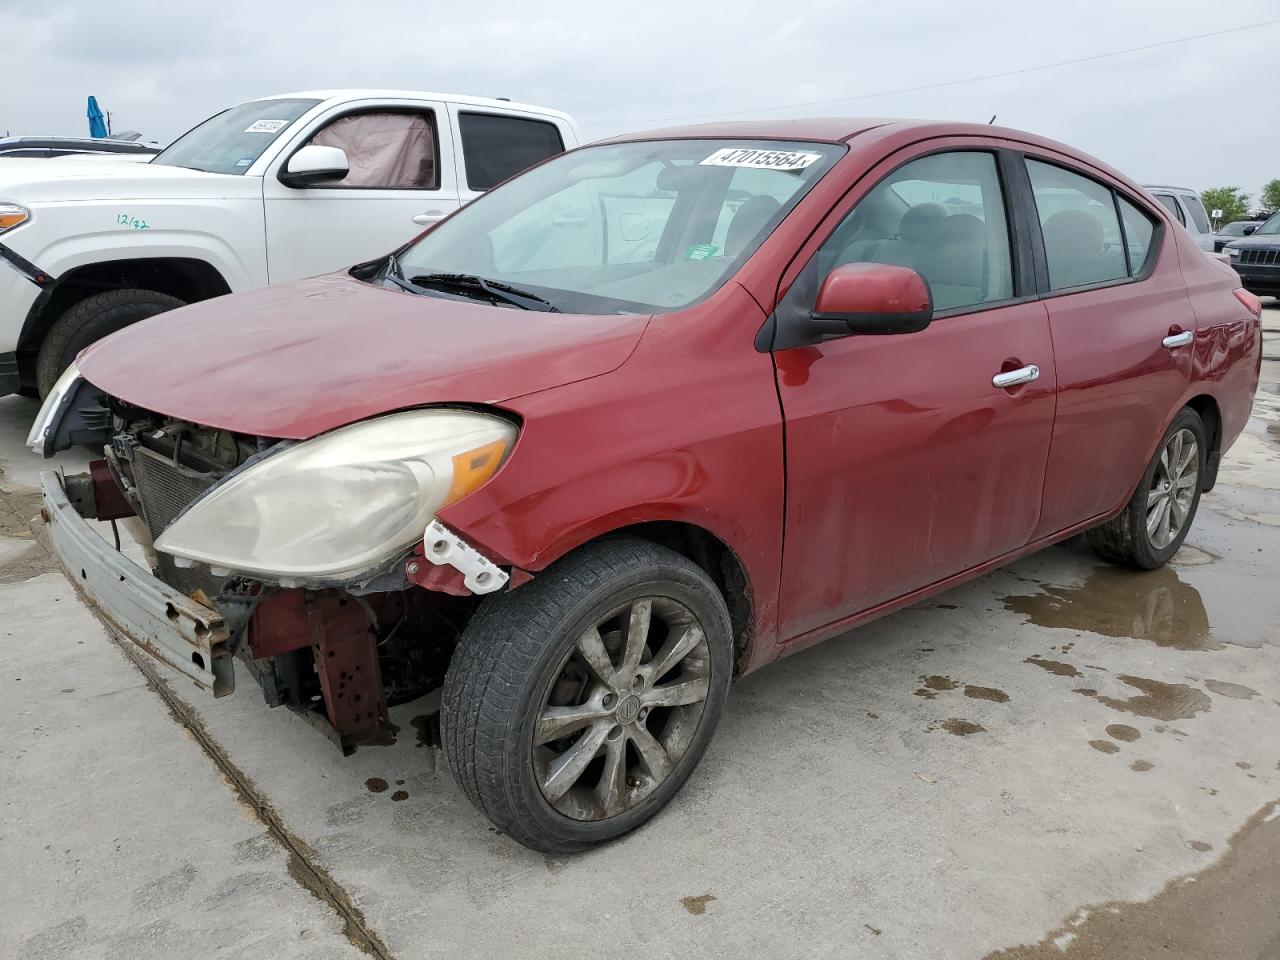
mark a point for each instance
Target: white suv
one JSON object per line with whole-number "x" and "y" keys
{"x": 268, "y": 191}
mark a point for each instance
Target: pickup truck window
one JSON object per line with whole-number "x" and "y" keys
{"x": 495, "y": 147}
{"x": 229, "y": 142}
{"x": 385, "y": 150}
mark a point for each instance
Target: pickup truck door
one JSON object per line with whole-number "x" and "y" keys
{"x": 402, "y": 180}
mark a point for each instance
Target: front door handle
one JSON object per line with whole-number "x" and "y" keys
{"x": 1174, "y": 340}
{"x": 1012, "y": 378}
{"x": 431, "y": 216}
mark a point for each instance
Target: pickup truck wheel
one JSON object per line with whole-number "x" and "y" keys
{"x": 1152, "y": 526}
{"x": 92, "y": 319}
{"x": 576, "y": 707}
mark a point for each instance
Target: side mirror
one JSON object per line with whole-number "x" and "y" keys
{"x": 315, "y": 164}
{"x": 872, "y": 298}
{"x": 1248, "y": 231}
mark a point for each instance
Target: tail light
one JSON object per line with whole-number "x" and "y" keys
{"x": 1251, "y": 303}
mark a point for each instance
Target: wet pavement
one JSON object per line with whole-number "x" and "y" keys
{"x": 1059, "y": 759}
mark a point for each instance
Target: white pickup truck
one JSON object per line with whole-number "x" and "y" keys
{"x": 268, "y": 191}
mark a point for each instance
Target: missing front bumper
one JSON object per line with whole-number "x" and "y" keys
{"x": 135, "y": 606}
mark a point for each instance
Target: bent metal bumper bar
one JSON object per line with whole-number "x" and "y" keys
{"x": 188, "y": 636}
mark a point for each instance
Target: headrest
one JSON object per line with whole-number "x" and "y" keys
{"x": 919, "y": 222}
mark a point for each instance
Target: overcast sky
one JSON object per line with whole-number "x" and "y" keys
{"x": 1202, "y": 113}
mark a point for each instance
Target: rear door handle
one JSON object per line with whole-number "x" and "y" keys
{"x": 1178, "y": 339}
{"x": 1012, "y": 378}
{"x": 431, "y": 216}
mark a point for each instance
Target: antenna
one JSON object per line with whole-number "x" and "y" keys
{"x": 992, "y": 120}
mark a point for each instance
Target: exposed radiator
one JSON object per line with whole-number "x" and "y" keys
{"x": 164, "y": 491}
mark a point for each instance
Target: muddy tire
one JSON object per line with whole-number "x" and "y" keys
{"x": 577, "y": 706}
{"x": 92, "y": 319}
{"x": 1155, "y": 521}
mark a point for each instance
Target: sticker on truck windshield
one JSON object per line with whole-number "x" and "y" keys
{"x": 760, "y": 159}
{"x": 266, "y": 126}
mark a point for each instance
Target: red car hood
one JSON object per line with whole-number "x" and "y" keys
{"x": 298, "y": 359}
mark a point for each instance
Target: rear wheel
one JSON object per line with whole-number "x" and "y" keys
{"x": 92, "y": 319}
{"x": 577, "y": 706}
{"x": 1157, "y": 518}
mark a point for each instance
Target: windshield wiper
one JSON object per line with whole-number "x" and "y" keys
{"x": 497, "y": 291}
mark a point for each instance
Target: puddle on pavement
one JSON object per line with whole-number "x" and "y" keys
{"x": 930, "y": 686}
{"x": 962, "y": 728}
{"x": 1148, "y": 605}
{"x": 400, "y": 795}
{"x": 1057, "y": 667}
{"x": 697, "y": 905}
{"x": 1158, "y": 700}
{"x": 1104, "y": 746}
{"x": 985, "y": 693}
{"x": 1124, "y": 732}
{"x": 376, "y": 785}
{"x": 1141, "y": 766}
{"x": 1240, "y": 891}
{"x": 1235, "y": 691}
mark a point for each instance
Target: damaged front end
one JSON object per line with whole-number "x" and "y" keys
{"x": 319, "y": 562}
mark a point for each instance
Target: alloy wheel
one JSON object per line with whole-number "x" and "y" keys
{"x": 1173, "y": 487}
{"x": 622, "y": 709}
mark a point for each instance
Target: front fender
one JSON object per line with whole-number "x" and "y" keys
{"x": 226, "y": 234}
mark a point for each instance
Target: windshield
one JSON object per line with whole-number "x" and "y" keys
{"x": 631, "y": 227}
{"x": 1271, "y": 227}
{"x": 1235, "y": 229}
{"x": 229, "y": 142}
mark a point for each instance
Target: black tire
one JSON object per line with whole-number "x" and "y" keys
{"x": 512, "y": 653}
{"x": 1125, "y": 539}
{"x": 92, "y": 319}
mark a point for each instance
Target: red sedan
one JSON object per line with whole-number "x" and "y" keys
{"x": 647, "y": 417}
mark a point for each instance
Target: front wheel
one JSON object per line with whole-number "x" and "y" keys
{"x": 576, "y": 707}
{"x": 1155, "y": 521}
{"x": 92, "y": 319}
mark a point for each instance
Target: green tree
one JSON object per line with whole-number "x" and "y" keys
{"x": 1232, "y": 201}
{"x": 1271, "y": 196}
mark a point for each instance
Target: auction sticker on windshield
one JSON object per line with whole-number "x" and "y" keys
{"x": 763, "y": 159}
{"x": 266, "y": 126}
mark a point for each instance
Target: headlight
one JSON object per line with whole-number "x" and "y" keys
{"x": 13, "y": 215}
{"x": 51, "y": 410}
{"x": 345, "y": 502}
{"x": 1233, "y": 252}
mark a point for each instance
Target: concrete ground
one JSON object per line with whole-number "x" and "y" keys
{"x": 1059, "y": 759}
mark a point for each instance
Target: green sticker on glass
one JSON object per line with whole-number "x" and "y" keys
{"x": 701, "y": 251}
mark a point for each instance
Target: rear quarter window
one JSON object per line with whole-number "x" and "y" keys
{"x": 495, "y": 147}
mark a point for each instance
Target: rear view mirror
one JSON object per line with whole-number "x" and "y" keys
{"x": 314, "y": 164}
{"x": 872, "y": 298}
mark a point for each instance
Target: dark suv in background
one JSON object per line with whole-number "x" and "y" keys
{"x": 1257, "y": 258}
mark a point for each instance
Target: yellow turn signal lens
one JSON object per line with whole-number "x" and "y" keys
{"x": 473, "y": 468}
{"x": 11, "y": 215}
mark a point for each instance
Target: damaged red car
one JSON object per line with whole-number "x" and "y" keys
{"x": 643, "y": 419}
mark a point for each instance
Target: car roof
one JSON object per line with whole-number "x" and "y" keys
{"x": 379, "y": 94}
{"x": 87, "y": 142}
{"x": 842, "y": 129}
{"x": 1165, "y": 186}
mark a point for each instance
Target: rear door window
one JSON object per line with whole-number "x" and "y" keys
{"x": 496, "y": 147}
{"x": 1082, "y": 240}
{"x": 1138, "y": 233}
